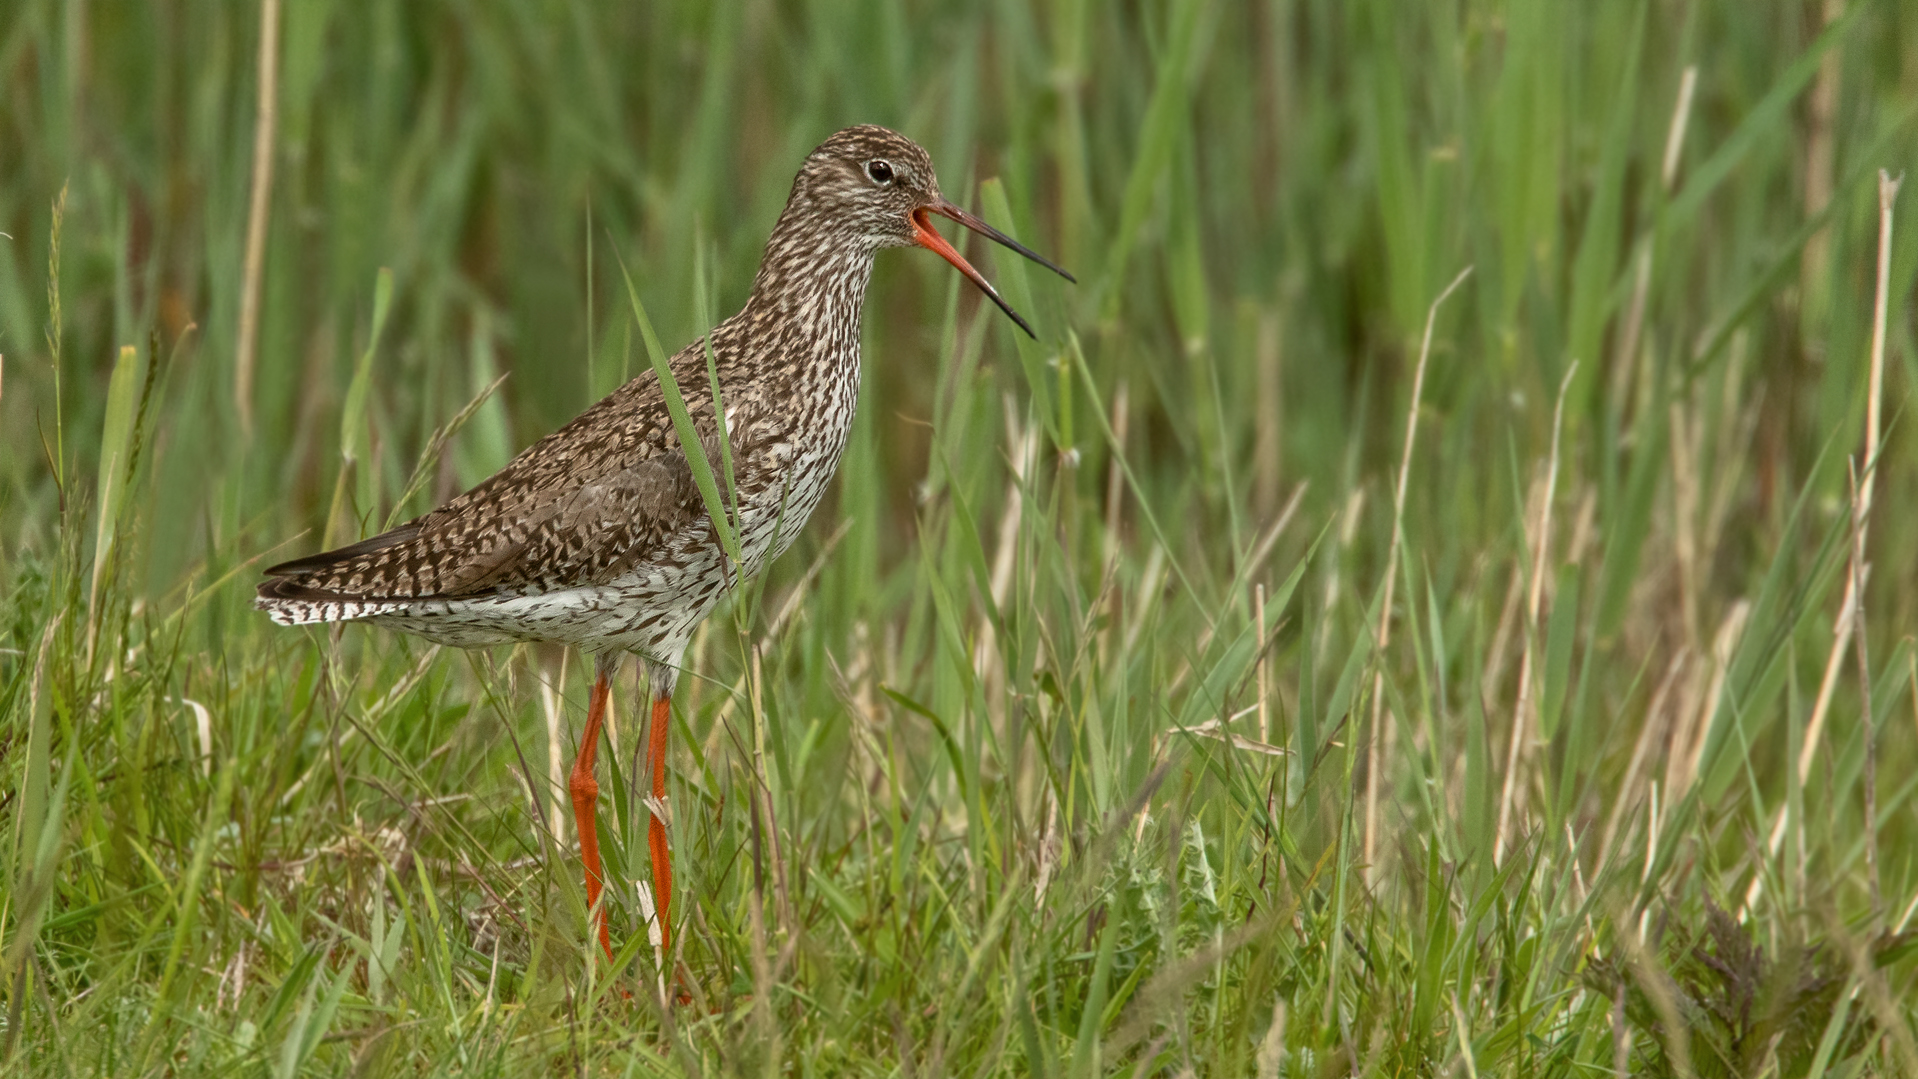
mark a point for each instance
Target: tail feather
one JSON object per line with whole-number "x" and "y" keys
{"x": 290, "y": 602}
{"x": 300, "y": 567}
{"x": 309, "y": 612}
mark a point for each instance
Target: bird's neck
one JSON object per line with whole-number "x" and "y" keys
{"x": 812, "y": 282}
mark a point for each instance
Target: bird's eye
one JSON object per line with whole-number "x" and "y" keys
{"x": 880, "y": 171}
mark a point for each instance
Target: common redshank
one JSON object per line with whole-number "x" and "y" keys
{"x": 597, "y": 535}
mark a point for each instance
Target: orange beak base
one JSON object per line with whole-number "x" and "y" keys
{"x": 928, "y": 237}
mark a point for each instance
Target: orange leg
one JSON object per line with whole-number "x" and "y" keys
{"x": 656, "y": 830}
{"x": 585, "y": 792}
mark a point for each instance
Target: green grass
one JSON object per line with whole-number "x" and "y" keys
{"x": 948, "y": 793}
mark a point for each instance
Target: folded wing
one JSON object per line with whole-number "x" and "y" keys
{"x": 595, "y": 498}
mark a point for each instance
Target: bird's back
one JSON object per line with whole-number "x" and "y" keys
{"x": 599, "y": 527}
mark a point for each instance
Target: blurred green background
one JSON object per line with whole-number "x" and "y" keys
{"x": 1211, "y": 172}
{"x": 1260, "y": 200}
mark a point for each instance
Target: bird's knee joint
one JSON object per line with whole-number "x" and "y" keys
{"x": 584, "y": 788}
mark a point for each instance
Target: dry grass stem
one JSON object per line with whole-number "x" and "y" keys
{"x": 1655, "y": 730}
{"x": 1860, "y": 640}
{"x": 1821, "y": 122}
{"x": 552, "y": 701}
{"x": 1378, "y": 748}
{"x": 1023, "y": 450}
{"x": 1115, "y": 475}
{"x": 1842, "y": 626}
{"x": 265, "y": 121}
{"x": 1625, "y": 361}
{"x": 1524, "y": 711}
{"x": 1254, "y": 561}
{"x": 1268, "y": 447}
{"x": 1264, "y": 672}
{"x": 1851, "y": 606}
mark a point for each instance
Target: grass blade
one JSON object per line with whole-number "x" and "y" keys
{"x": 683, "y": 429}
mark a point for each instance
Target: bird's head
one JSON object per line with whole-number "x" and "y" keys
{"x": 880, "y": 185}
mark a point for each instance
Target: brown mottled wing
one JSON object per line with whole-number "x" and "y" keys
{"x": 581, "y": 506}
{"x": 586, "y": 535}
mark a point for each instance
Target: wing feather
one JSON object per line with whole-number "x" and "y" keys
{"x": 605, "y": 493}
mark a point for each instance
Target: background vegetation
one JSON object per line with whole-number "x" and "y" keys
{"x": 987, "y": 779}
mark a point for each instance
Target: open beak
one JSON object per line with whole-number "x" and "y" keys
{"x": 929, "y": 237}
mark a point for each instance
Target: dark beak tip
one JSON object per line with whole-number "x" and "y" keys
{"x": 946, "y": 209}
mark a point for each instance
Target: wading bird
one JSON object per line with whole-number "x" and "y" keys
{"x": 598, "y": 535}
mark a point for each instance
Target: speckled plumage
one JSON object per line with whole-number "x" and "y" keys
{"x": 596, "y": 535}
